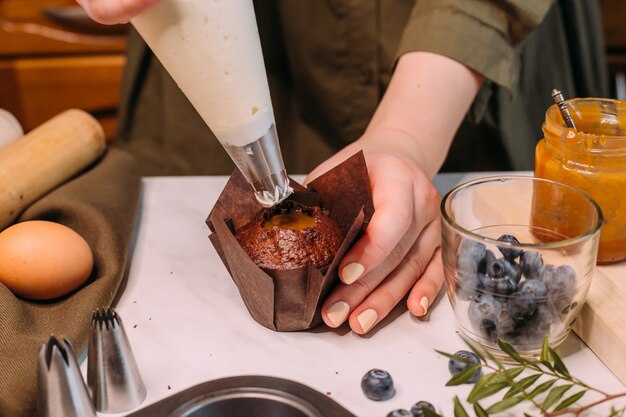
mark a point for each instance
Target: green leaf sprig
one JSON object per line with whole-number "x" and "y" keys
{"x": 546, "y": 384}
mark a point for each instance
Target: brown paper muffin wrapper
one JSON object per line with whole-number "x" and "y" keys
{"x": 290, "y": 300}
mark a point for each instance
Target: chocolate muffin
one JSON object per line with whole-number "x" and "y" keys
{"x": 289, "y": 236}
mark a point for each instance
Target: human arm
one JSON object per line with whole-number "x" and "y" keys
{"x": 114, "y": 11}
{"x": 414, "y": 125}
{"x": 404, "y": 145}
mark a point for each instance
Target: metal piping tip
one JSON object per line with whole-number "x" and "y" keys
{"x": 261, "y": 163}
{"x": 557, "y": 96}
{"x": 112, "y": 374}
{"x": 62, "y": 391}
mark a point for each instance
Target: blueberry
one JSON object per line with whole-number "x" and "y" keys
{"x": 562, "y": 287}
{"x": 468, "y": 286}
{"x": 400, "y": 412}
{"x": 565, "y": 273}
{"x": 509, "y": 253}
{"x": 531, "y": 264}
{"x": 418, "y": 408}
{"x": 500, "y": 286}
{"x": 547, "y": 272}
{"x": 377, "y": 385}
{"x": 466, "y": 265}
{"x": 536, "y": 327}
{"x": 486, "y": 261}
{"x": 536, "y": 288}
{"x": 473, "y": 249}
{"x": 464, "y": 359}
{"x": 505, "y": 322}
{"x": 521, "y": 305}
{"x": 482, "y": 314}
{"x": 484, "y": 282}
{"x": 501, "y": 268}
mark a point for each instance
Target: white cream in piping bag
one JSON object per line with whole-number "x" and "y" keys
{"x": 211, "y": 49}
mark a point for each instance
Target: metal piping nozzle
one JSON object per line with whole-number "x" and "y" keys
{"x": 261, "y": 163}
{"x": 62, "y": 391}
{"x": 112, "y": 373}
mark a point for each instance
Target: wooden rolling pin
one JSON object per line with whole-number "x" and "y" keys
{"x": 45, "y": 158}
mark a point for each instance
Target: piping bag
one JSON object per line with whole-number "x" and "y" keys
{"x": 213, "y": 52}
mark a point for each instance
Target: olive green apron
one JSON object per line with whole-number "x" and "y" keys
{"x": 329, "y": 62}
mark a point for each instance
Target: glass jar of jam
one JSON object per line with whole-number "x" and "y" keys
{"x": 591, "y": 158}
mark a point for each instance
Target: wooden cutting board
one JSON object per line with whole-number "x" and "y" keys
{"x": 602, "y": 321}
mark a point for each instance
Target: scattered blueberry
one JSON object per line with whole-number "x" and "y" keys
{"x": 509, "y": 253}
{"x": 463, "y": 360}
{"x": 400, "y": 412}
{"x": 531, "y": 263}
{"x": 418, "y": 408}
{"x": 377, "y": 385}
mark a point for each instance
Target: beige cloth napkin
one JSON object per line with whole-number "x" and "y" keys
{"x": 100, "y": 205}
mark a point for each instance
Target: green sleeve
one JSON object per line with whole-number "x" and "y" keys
{"x": 481, "y": 34}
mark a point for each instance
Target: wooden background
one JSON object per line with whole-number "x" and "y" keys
{"x": 52, "y": 57}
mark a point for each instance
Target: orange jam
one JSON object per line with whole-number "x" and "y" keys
{"x": 294, "y": 220}
{"x": 591, "y": 158}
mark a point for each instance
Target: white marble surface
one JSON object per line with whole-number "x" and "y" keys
{"x": 187, "y": 324}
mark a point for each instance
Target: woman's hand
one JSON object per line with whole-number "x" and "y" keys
{"x": 404, "y": 145}
{"x": 111, "y": 12}
{"x": 399, "y": 250}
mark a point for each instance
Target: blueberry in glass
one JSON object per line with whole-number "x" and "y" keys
{"x": 377, "y": 385}
{"x": 534, "y": 328}
{"x": 501, "y": 268}
{"x": 468, "y": 286}
{"x": 474, "y": 249}
{"x": 531, "y": 264}
{"x": 487, "y": 260}
{"x": 498, "y": 287}
{"x": 482, "y": 314}
{"x": 521, "y": 305}
{"x": 535, "y": 288}
{"x": 509, "y": 253}
{"x": 561, "y": 288}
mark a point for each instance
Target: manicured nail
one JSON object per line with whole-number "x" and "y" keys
{"x": 367, "y": 319}
{"x": 424, "y": 304}
{"x": 337, "y": 312}
{"x": 352, "y": 272}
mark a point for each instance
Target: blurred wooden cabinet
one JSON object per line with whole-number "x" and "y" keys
{"x": 53, "y": 57}
{"x": 614, "y": 22}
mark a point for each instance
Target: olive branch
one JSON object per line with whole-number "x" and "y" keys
{"x": 546, "y": 384}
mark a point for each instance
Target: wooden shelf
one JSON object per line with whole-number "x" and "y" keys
{"x": 53, "y": 57}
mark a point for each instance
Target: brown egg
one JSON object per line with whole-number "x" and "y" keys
{"x": 43, "y": 260}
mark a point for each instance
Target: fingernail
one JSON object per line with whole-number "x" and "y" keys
{"x": 337, "y": 312}
{"x": 352, "y": 272}
{"x": 367, "y": 319}
{"x": 424, "y": 304}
